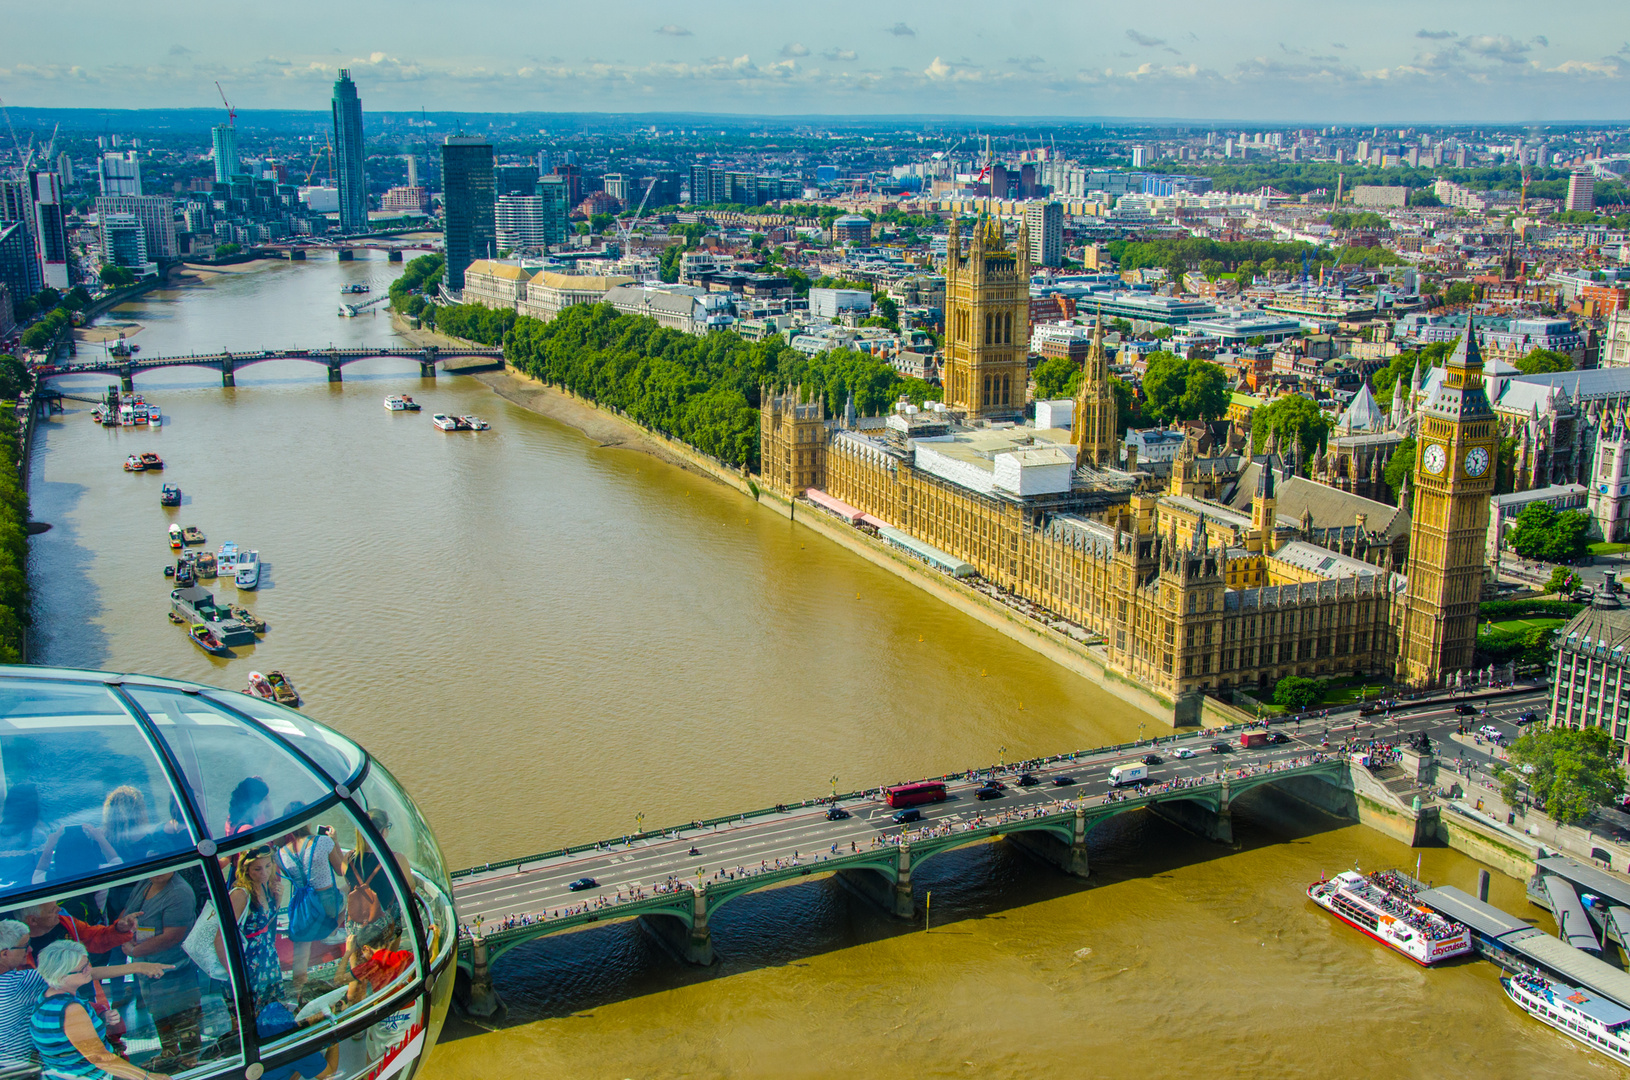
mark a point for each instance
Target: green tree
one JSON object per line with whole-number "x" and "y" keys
{"x": 1179, "y": 388}
{"x": 1505, "y": 472}
{"x": 1543, "y": 533}
{"x": 1544, "y": 362}
{"x": 1290, "y": 417}
{"x": 888, "y": 310}
{"x": 668, "y": 263}
{"x": 1563, "y": 581}
{"x": 1128, "y": 409}
{"x": 1573, "y": 772}
{"x": 1057, "y": 377}
{"x": 1297, "y": 693}
{"x": 1400, "y": 466}
{"x": 76, "y": 298}
{"x": 1460, "y": 292}
{"x": 228, "y": 248}
{"x": 14, "y": 377}
{"x": 116, "y": 277}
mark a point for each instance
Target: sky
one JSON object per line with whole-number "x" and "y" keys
{"x": 1441, "y": 61}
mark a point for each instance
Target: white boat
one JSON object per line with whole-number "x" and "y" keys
{"x": 1579, "y": 1014}
{"x": 127, "y": 415}
{"x": 474, "y": 423}
{"x": 1383, "y": 906}
{"x": 444, "y": 422}
{"x": 155, "y": 416}
{"x": 348, "y": 311}
{"x": 247, "y": 575}
{"x": 226, "y": 560}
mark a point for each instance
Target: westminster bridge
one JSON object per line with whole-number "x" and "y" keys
{"x": 227, "y": 363}
{"x": 674, "y": 880}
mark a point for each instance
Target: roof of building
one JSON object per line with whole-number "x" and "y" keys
{"x": 1363, "y": 414}
{"x": 1605, "y": 624}
{"x": 498, "y": 269}
{"x": 1330, "y": 507}
{"x": 554, "y": 279}
{"x": 637, "y": 298}
{"x": 1324, "y": 562}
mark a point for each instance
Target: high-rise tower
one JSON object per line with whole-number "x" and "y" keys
{"x": 467, "y": 189}
{"x": 225, "y": 139}
{"x": 987, "y": 322}
{"x": 1454, "y": 478}
{"x": 348, "y": 155}
{"x": 1093, "y": 428}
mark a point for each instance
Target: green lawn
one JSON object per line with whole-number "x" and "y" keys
{"x": 1512, "y": 626}
{"x": 1608, "y": 549}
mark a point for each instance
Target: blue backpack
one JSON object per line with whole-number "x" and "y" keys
{"x": 307, "y": 919}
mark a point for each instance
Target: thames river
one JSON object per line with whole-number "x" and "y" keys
{"x": 550, "y": 642}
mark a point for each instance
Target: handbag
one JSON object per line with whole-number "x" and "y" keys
{"x": 199, "y": 944}
{"x": 362, "y": 906}
{"x": 307, "y": 919}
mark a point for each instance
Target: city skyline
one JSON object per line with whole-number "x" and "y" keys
{"x": 1456, "y": 62}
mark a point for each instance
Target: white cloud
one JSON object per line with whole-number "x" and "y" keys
{"x": 850, "y": 54}
{"x": 673, "y": 31}
{"x": 794, "y": 49}
{"x": 900, "y": 29}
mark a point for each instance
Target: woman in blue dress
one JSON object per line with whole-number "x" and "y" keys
{"x": 254, "y": 905}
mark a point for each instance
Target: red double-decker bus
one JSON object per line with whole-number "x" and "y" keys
{"x": 917, "y": 794}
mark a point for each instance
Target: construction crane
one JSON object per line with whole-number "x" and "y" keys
{"x": 231, "y": 113}
{"x": 14, "y": 140}
{"x": 317, "y": 158}
{"x": 1522, "y": 200}
{"x": 626, "y": 229}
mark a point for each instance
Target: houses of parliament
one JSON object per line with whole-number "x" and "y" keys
{"x": 1235, "y": 575}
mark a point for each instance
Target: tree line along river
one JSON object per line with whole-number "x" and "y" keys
{"x": 543, "y": 638}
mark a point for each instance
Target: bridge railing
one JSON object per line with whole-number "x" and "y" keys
{"x": 827, "y": 800}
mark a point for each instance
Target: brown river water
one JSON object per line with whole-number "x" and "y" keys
{"x": 543, "y": 639}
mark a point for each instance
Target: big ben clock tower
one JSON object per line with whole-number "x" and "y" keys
{"x": 1454, "y": 480}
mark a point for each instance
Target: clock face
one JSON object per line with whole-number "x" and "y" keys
{"x": 1435, "y": 459}
{"x": 1477, "y": 461}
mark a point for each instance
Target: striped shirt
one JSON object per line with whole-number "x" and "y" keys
{"x": 20, "y": 993}
{"x": 58, "y": 1055}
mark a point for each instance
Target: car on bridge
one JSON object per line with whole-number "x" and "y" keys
{"x": 1368, "y": 709}
{"x": 1466, "y": 709}
{"x": 1028, "y": 780}
{"x": 994, "y": 784}
{"x": 583, "y": 883}
{"x": 1219, "y": 747}
{"x": 1153, "y": 759}
{"x": 1063, "y": 781}
{"x": 1529, "y": 717}
{"x": 906, "y": 817}
{"x": 1278, "y": 737}
{"x": 985, "y": 793}
{"x": 1182, "y": 752}
{"x": 837, "y": 813}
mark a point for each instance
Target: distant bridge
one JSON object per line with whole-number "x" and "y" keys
{"x": 227, "y": 363}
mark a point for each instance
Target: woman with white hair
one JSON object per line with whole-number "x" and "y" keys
{"x": 68, "y": 1037}
{"x": 21, "y": 989}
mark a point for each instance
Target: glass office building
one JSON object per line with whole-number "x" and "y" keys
{"x": 469, "y": 204}
{"x": 349, "y": 153}
{"x": 255, "y": 896}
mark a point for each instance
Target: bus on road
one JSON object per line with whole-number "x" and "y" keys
{"x": 926, "y": 791}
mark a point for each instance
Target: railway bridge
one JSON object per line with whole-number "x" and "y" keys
{"x": 674, "y": 880}
{"x": 228, "y": 363}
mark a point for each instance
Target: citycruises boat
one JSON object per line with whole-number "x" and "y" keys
{"x": 444, "y": 422}
{"x": 152, "y": 463}
{"x": 169, "y": 495}
{"x": 247, "y": 575}
{"x": 192, "y": 534}
{"x": 127, "y": 415}
{"x": 227, "y": 559}
{"x": 175, "y": 537}
{"x": 473, "y": 423}
{"x": 205, "y": 639}
{"x": 133, "y": 463}
{"x": 1600, "y": 1024}
{"x": 155, "y": 416}
{"x": 396, "y": 403}
{"x": 1383, "y": 906}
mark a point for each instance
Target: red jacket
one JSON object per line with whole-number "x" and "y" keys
{"x": 96, "y": 939}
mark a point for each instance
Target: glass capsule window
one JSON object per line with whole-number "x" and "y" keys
{"x": 203, "y": 884}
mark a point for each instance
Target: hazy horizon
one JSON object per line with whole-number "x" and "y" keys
{"x": 1271, "y": 62}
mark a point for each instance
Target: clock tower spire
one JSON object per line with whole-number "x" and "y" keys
{"x": 1453, "y": 481}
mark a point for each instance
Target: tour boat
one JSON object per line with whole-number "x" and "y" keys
{"x": 152, "y": 462}
{"x": 169, "y": 495}
{"x": 396, "y": 403}
{"x": 443, "y": 422}
{"x": 192, "y": 535}
{"x": 133, "y": 463}
{"x": 155, "y": 416}
{"x": 175, "y": 537}
{"x": 474, "y": 423}
{"x": 1600, "y": 1024}
{"x": 1383, "y": 906}
{"x": 347, "y": 311}
{"x": 227, "y": 558}
{"x": 205, "y": 639}
{"x": 127, "y": 415}
{"x": 248, "y": 572}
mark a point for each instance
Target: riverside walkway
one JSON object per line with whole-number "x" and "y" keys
{"x": 227, "y": 363}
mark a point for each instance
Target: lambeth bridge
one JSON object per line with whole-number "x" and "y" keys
{"x": 675, "y": 879}
{"x": 227, "y": 363}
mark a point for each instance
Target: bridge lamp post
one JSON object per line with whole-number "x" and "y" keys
{"x": 834, "y": 788}
{"x": 639, "y": 822}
